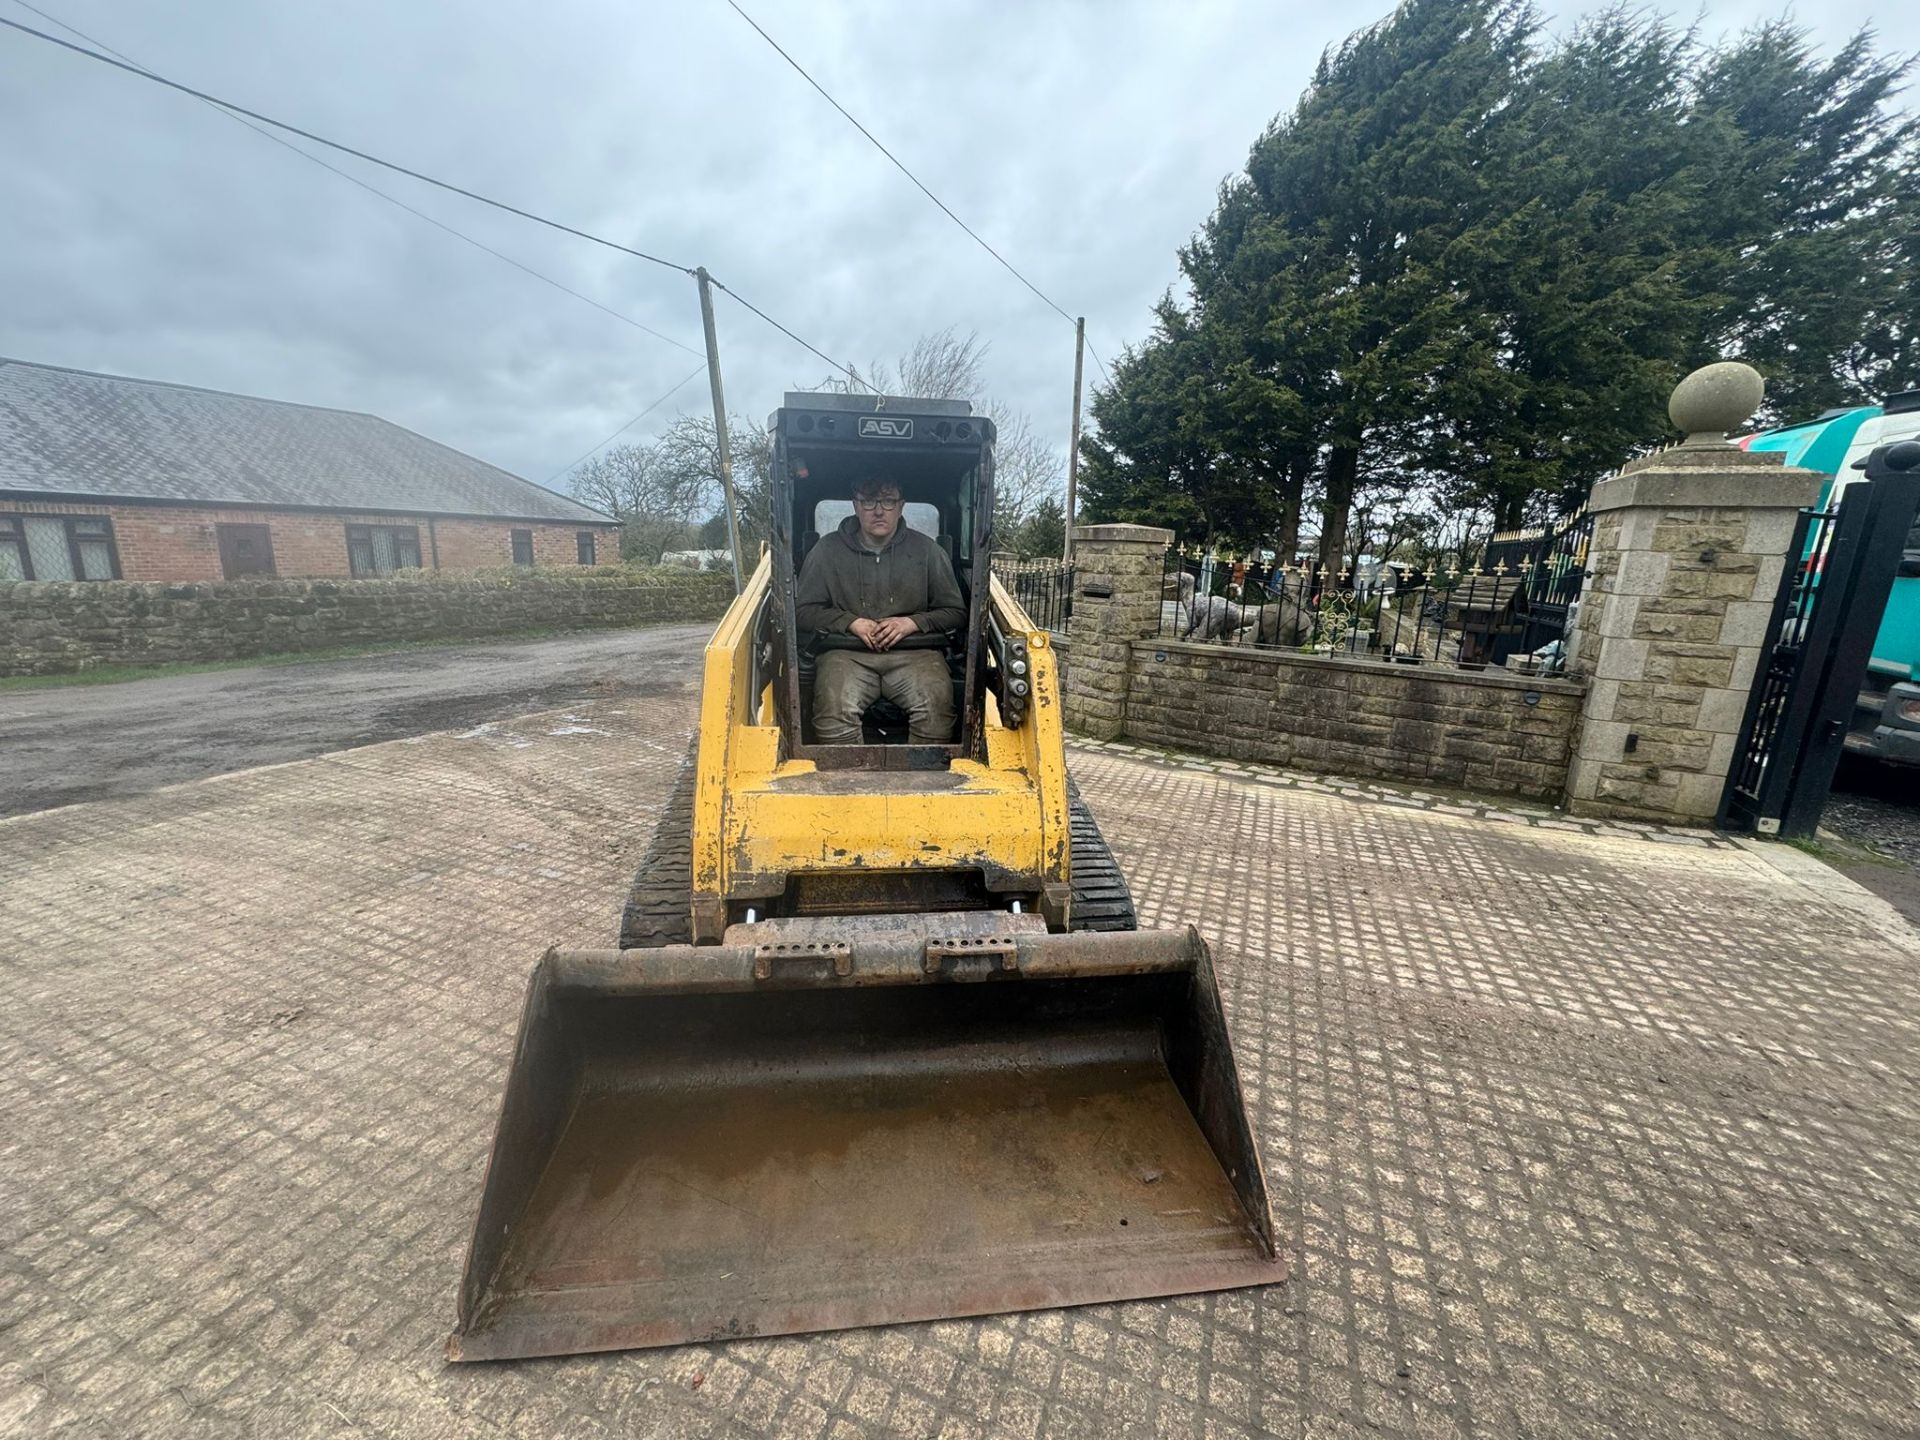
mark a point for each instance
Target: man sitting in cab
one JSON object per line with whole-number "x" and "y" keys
{"x": 892, "y": 591}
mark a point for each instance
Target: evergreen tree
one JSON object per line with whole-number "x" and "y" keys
{"x": 1149, "y": 461}
{"x": 1815, "y": 217}
{"x": 1473, "y": 266}
{"x": 1573, "y": 275}
{"x": 1044, "y": 533}
{"x": 1328, "y": 259}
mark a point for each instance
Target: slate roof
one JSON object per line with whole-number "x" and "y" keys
{"x": 76, "y": 433}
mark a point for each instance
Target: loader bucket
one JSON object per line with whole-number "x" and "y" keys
{"x": 933, "y": 1116}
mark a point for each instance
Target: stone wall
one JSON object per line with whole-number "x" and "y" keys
{"x": 1116, "y": 600}
{"x": 1689, "y": 548}
{"x": 61, "y": 627}
{"x": 1478, "y": 730}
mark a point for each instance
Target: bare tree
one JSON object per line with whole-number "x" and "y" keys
{"x": 628, "y": 480}
{"x": 1026, "y": 471}
{"x": 940, "y": 366}
{"x": 944, "y": 365}
{"x": 1383, "y": 521}
{"x": 689, "y": 451}
{"x": 1440, "y": 537}
{"x": 656, "y": 502}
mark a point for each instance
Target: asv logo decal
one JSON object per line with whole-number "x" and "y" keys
{"x": 885, "y": 427}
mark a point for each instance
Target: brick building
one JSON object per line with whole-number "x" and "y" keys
{"x": 107, "y": 478}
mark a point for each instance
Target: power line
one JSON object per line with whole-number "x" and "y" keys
{"x": 474, "y": 195}
{"x": 434, "y": 221}
{"x": 431, "y": 220}
{"x": 1098, "y": 361}
{"x": 291, "y": 129}
{"x": 740, "y": 299}
{"x": 699, "y": 370}
{"x": 901, "y": 167}
{"x": 872, "y": 139}
{"x": 353, "y": 179}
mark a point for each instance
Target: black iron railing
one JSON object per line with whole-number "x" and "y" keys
{"x": 1044, "y": 589}
{"x": 1513, "y": 610}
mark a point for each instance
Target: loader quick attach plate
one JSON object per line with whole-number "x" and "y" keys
{"x": 931, "y": 1116}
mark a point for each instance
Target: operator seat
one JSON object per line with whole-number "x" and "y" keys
{"x": 885, "y": 723}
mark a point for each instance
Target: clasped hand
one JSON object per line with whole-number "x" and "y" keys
{"x": 884, "y": 634}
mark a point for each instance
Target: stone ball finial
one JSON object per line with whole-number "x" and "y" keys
{"x": 1715, "y": 399}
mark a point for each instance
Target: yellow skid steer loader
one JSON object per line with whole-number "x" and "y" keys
{"x": 881, "y": 1042}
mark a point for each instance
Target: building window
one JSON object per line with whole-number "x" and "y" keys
{"x": 583, "y": 546}
{"x": 57, "y": 547}
{"x": 522, "y": 547}
{"x": 382, "y": 549}
{"x": 244, "y": 550}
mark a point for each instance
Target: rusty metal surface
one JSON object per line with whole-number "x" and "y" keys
{"x": 877, "y": 950}
{"x": 873, "y": 893}
{"x": 861, "y": 782}
{"x": 876, "y": 930}
{"x": 898, "y": 758}
{"x": 682, "y": 1165}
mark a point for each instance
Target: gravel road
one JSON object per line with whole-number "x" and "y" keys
{"x": 1878, "y": 806}
{"x": 88, "y": 742}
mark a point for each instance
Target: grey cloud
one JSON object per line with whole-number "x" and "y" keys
{"x": 141, "y": 233}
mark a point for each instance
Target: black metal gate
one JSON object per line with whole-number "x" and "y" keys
{"x": 1840, "y": 568}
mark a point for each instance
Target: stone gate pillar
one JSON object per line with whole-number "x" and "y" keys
{"x": 1116, "y": 600}
{"x": 1688, "y": 550}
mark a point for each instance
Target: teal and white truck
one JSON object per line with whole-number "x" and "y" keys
{"x": 1887, "y": 722}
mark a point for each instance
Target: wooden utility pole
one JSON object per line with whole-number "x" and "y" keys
{"x": 724, "y": 442}
{"x": 1073, "y": 450}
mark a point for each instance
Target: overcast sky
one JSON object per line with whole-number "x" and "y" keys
{"x": 145, "y": 234}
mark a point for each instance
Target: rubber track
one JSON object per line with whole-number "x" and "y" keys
{"x": 1101, "y": 899}
{"x": 660, "y": 905}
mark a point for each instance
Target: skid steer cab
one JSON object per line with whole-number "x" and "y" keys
{"x": 787, "y": 826}
{"x": 881, "y": 1041}
{"x": 939, "y": 456}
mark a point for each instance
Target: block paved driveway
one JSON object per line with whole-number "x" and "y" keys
{"x": 1570, "y": 1134}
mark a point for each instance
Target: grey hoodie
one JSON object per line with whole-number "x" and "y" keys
{"x": 842, "y": 581}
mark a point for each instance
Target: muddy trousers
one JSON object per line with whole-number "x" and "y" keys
{"x": 846, "y": 682}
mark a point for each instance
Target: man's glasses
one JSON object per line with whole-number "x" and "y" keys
{"x": 879, "y": 507}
